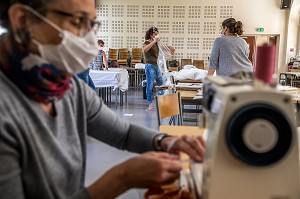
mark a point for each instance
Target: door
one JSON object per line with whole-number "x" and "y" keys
{"x": 251, "y": 42}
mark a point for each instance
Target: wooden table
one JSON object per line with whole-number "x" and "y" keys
{"x": 182, "y": 130}
{"x": 187, "y": 98}
{"x": 187, "y": 95}
{"x": 195, "y": 168}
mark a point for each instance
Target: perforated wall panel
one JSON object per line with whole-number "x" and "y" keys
{"x": 103, "y": 26}
{"x": 117, "y": 42}
{"x": 102, "y": 10}
{"x": 178, "y": 56}
{"x": 132, "y": 27}
{"x": 192, "y": 55}
{"x": 205, "y": 57}
{"x": 193, "y": 43}
{"x": 191, "y": 29}
{"x": 117, "y": 11}
{"x": 194, "y": 11}
{"x": 194, "y": 27}
{"x": 210, "y": 11}
{"x": 178, "y": 11}
{"x": 117, "y": 26}
{"x": 178, "y": 43}
{"x": 207, "y": 43}
{"x": 210, "y": 28}
{"x": 148, "y": 11}
{"x": 178, "y": 27}
{"x": 226, "y": 12}
{"x": 163, "y": 12}
{"x": 132, "y": 41}
{"x": 132, "y": 10}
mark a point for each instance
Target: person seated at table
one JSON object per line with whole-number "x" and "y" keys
{"x": 100, "y": 60}
{"x": 43, "y": 140}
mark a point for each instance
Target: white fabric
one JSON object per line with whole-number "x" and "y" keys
{"x": 114, "y": 77}
{"x": 140, "y": 66}
{"x": 163, "y": 56}
{"x": 189, "y": 73}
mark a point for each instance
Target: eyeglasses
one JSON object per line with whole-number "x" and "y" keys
{"x": 84, "y": 22}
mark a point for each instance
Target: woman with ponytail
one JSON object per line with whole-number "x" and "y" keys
{"x": 229, "y": 54}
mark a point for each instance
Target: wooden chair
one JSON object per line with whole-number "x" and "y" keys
{"x": 113, "y": 54}
{"x": 198, "y": 63}
{"x": 123, "y": 56}
{"x": 169, "y": 106}
{"x": 185, "y": 62}
{"x": 136, "y": 56}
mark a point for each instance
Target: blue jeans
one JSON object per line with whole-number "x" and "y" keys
{"x": 152, "y": 74}
{"x": 84, "y": 75}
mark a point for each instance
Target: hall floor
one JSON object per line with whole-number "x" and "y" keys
{"x": 101, "y": 157}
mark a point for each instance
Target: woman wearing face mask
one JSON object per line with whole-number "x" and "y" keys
{"x": 152, "y": 70}
{"x": 229, "y": 54}
{"x": 100, "y": 59}
{"x": 46, "y": 112}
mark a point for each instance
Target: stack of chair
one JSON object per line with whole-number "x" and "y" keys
{"x": 136, "y": 56}
{"x": 185, "y": 62}
{"x": 198, "y": 63}
{"x": 123, "y": 57}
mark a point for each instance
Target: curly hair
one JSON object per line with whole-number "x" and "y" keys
{"x": 100, "y": 42}
{"x": 38, "y": 5}
{"x": 235, "y": 27}
{"x": 150, "y": 32}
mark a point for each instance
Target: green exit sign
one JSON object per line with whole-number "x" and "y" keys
{"x": 260, "y": 29}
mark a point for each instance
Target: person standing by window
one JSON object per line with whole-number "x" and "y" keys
{"x": 153, "y": 73}
{"x": 229, "y": 54}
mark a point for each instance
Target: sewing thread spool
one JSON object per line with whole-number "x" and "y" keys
{"x": 265, "y": 63}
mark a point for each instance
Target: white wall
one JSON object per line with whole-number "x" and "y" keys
{"x": 293, "y": 40}
{"x": 205, "y": 27}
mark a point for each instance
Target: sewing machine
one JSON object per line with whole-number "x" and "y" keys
{"x": 252, "y": 143}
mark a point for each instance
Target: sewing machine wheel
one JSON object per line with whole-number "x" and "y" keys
{"x": 258, "y": 134}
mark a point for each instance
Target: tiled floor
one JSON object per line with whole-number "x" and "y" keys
{"x": 101, "y": 157}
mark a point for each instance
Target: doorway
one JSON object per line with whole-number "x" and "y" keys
{"x": 257, "y": 40}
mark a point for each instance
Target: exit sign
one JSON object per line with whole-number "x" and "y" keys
{"x": 260, "y": 29}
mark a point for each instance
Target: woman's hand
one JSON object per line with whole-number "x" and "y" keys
{"x": 151, "y": 169}
{"x": 172, "y": 49}
{"x": 194, "y": 146}
{"x": 148, "y": 170}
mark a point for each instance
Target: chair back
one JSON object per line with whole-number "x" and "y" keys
{"x": 169, "y": 106}
{"x": 185, "y": 62}
{"x": 136, "y": 56}
{"x": 198, "y": 63}
{"x": 113, "y": 54}
{"x": 123, "y": 56}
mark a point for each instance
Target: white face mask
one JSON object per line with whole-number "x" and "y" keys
{"x": 73, "y": 53}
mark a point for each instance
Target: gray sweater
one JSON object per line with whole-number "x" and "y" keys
{"x": 229, "y": 55}
{"x": 44, "y": 157}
